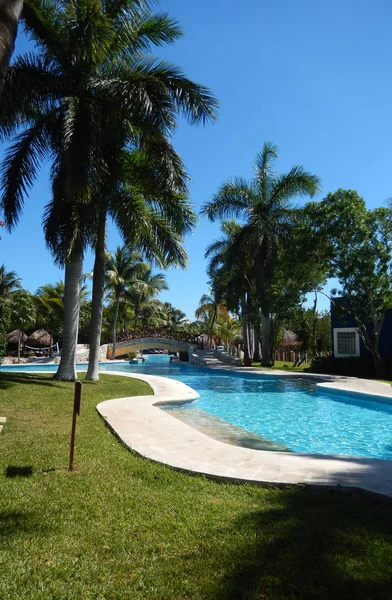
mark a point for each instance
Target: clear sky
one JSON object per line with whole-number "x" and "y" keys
{"x": 313, "y": 77}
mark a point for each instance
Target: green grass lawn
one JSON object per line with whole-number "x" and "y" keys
{"x": 121, "y": 527}
{"x": 285, "y": 366}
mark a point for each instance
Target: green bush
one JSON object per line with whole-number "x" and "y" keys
{"x": 5, "y": 315}
{"x": 351, "y": 367}
{"x": 184, "y": 356}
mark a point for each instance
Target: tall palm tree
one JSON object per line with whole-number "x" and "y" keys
{"x": 122, "y": 269}
{"x": 209, "y": 309}
{"x": 229, "y": 273}
{"x": 263, "y": 205}
{"x": 152, "y": 218}
{"x": 143, "y": 289}
{"x": 91, "y": 63}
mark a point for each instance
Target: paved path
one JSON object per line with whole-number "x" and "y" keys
{"x": 155, "y": 434}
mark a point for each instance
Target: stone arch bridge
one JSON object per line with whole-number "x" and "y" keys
{"x": 164, "y": 339}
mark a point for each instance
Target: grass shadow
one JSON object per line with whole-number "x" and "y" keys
{"x": 17, "y": 522}
{"x": 315, "y": 550}
{"x": 43, "y": 379}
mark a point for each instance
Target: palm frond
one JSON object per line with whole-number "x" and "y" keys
{"x": 33, "y": 86}
{"x": 145, "y": 30}
{"x": 40, "y": 19}
{"x": 233, "y": 199}
{"x": 263, "y": 168}
{"x": 195, "y": 102}
{"x": 19, "y": 170}
{"x": 297, "y": 182}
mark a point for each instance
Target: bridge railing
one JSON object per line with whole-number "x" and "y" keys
{"x": 161, "y": 333}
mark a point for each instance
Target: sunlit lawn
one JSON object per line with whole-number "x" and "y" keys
{"x": 122, "y": 527}
{"x": 285, "y": 366}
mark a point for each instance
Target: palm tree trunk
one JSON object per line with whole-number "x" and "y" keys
{"x": 19, "y": 343}
{"x": 244, "y": 315}
{"x": 212, "y": 326}
{"x": 97, "y": 302}
{"x": 115, "y": 327}
{"x": 256, "y": 333}
{"x": 265, "y": 339}
{"x": 136, "y": 317}
{"x": 10, "y": 11}
{"x": 73, "y": 282}
{"x": 314, "y": 325}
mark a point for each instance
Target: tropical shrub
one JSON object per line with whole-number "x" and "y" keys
{"x": 184, "y": 356}
{"x": 351, "y": 366}
{"x": 5, "y": 315}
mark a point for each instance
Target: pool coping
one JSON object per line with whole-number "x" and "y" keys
{"x": 154, "y": 434}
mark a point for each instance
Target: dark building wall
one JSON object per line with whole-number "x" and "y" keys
{"x": 339, "y": 319}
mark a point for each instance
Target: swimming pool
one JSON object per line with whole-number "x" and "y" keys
{"x": 289, "y": 411}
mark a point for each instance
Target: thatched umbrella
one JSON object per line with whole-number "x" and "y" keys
{"x": 15, "y": 337}
{"x": 39, "y": 339}
{"x": 289, "y": 339}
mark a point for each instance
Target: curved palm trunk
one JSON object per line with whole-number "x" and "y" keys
{"x": 212, "y": 326}
{"x": 115, "y": 327}
{"x": 73, "y": 282}
{"x": 256, "y": 334}
{"x": 10, "y": 11}
{"x": 97, "y": 302}
{"x": 265, "y": 339}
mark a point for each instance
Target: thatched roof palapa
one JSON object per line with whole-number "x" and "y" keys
{"x": 289, "y": 338}
{"x": 39, "y": 339}
{"x": 15, "y": 336}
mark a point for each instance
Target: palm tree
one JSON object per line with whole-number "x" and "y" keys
{"x": 150, "y": 313}
{"x": 91, "y": 64}
{"x": 145, "y": 288}
{"x": 122, "y": 269}
{"x": 23, "y": 313}
{"x": 9, "y": 281}
{"x": 229, "y": 273}
{"x": 152, "y": 218}
{"x": 263, "y": 205}
{"x": 209, "y": 309}
{"x": 172, "y": 317}
{"x": 49, "y": 300}
{"x": 227, "y": 330}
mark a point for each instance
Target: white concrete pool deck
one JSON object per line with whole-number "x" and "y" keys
{"x": 155, "y": 434}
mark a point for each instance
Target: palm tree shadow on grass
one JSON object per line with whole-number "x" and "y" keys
{"x": 312, "y": 546}
{"x": 17, "y": 522}
{"x": 7, "y": 379}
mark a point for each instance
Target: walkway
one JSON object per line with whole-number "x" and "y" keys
{"x": 155, "y": 434}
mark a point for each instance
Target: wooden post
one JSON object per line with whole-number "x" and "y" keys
{"x": 76, "y": 411}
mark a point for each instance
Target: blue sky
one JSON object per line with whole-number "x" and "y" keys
{"x": 313, "y": 77}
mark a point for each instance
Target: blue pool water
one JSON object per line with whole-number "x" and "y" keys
{"x": 288, "y": 411}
